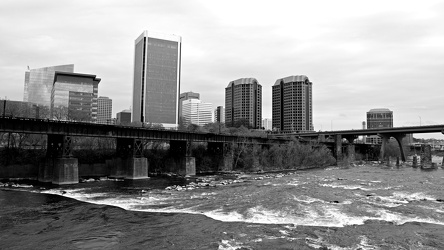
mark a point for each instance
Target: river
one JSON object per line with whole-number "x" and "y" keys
{"x": 360, "y": 207}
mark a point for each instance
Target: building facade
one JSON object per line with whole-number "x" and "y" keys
{"x": 186, "y": 96}
{"x": 197, "y": 112}
{"x": 378, "y": 118}
{"x": 243, "y": 101}
{"x": 74, "y": 96}
{"x": 156, "y": 79}
{"x": 104, "y": 110}
{"x": 219, "y": 114}
{"x": 123, "y": 117}
{"x": 39, "y": 83}
{"x": 267, "y": 124}
{"x": 292, "y": 104}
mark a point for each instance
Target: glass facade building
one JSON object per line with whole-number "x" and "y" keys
{"x": 39, "y": 82}
{"x": 243, "y": 101}
{"x": 104, "y": 110}
{"x": 292, "y": 105}
{"x": 77, "y": 94}
{"x": 156, "y": 79}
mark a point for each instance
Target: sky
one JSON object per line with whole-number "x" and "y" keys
{"x": 359, "y": 55}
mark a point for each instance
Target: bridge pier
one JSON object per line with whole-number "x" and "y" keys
{"x": 180, "y": 151}
{"x": 60, "y": 168}
{"x": 385, "y": 138}
{"x": 130, "y": 163}
{"x": 338, "y": 148}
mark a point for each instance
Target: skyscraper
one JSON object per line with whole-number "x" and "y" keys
{"x": 292, "y": 108}
{"x": 243, "y": 101}
{"x": 197, "y": 112}
{"x": 219, "y": 114}
{"x": 39, "y": 82}
{"x": 104, "y": 110}
{"x": 156, "y": 78}
{"x": 74, "y": 96}
{"x": 186, "y": 96}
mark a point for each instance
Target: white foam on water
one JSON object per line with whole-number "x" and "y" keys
{"x": 307, "y": 199}
{"x": 320, "y": 242}
{"x": 230, "y": 245}
{"x": 413, "y": 196}
{"x": 399, "y": 219}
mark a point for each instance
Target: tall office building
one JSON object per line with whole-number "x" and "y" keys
{"x": 39, "y": 82}
{"x": 74, "y": 96}
{"x": 156, "y": 79}
{"x": 197, "y": 112}
{"x": 219, "y": 114}
{"x": 104, "y": 110}
{"x": 378, "y": 118}
{"x": 243, "y": 101}
{"x": 292, "y": 109}
{"x": 186, "y": 96}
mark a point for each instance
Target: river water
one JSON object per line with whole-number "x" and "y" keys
{"x": 361, "y": 207}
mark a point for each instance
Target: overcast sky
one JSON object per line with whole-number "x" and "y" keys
{"x": 358, "y": 54}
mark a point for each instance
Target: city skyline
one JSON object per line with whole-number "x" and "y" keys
{"x": 360, "y": 55}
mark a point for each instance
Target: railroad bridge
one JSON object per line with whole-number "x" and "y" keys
{"x": 62, "y": 168}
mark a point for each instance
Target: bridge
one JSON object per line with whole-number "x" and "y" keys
{"x": 61, "y": 167}
{"x": 350, "y": 135}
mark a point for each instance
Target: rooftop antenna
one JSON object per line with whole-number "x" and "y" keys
{"x": 28, "y": 67}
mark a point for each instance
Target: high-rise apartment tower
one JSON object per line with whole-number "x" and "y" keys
{"x": 156, "y": 79}
{"x": 243, "y": 101}
{"x": 292, "y": 109}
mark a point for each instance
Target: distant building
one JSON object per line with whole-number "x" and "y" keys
{"x": 243, "y": 101}
{"x": 123, "y": 117}
{"x": 219, "y": 114}
{"x": 197, "y": 112}
{"x": 74, "y": 96}
{"x": 378, "y": 118}
{"x": 156, "y": 79}
{"x": 104, "y": 110}
{"x": 267, "y": 124}
{"x": 186, "y": 96}
{"x": 292, "y": 109}
{"x": 39, "y": 83}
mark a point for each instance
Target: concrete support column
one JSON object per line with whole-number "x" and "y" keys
{"x": 399, "y": 138}
{"x": 338, "y": 148}
{"x": 181, "y": 152}
{"x": 426, "y": 156}
{"x": 385, "y": 139}
{"x": 60, "y": 167}
{"x": 130, "y": 163}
